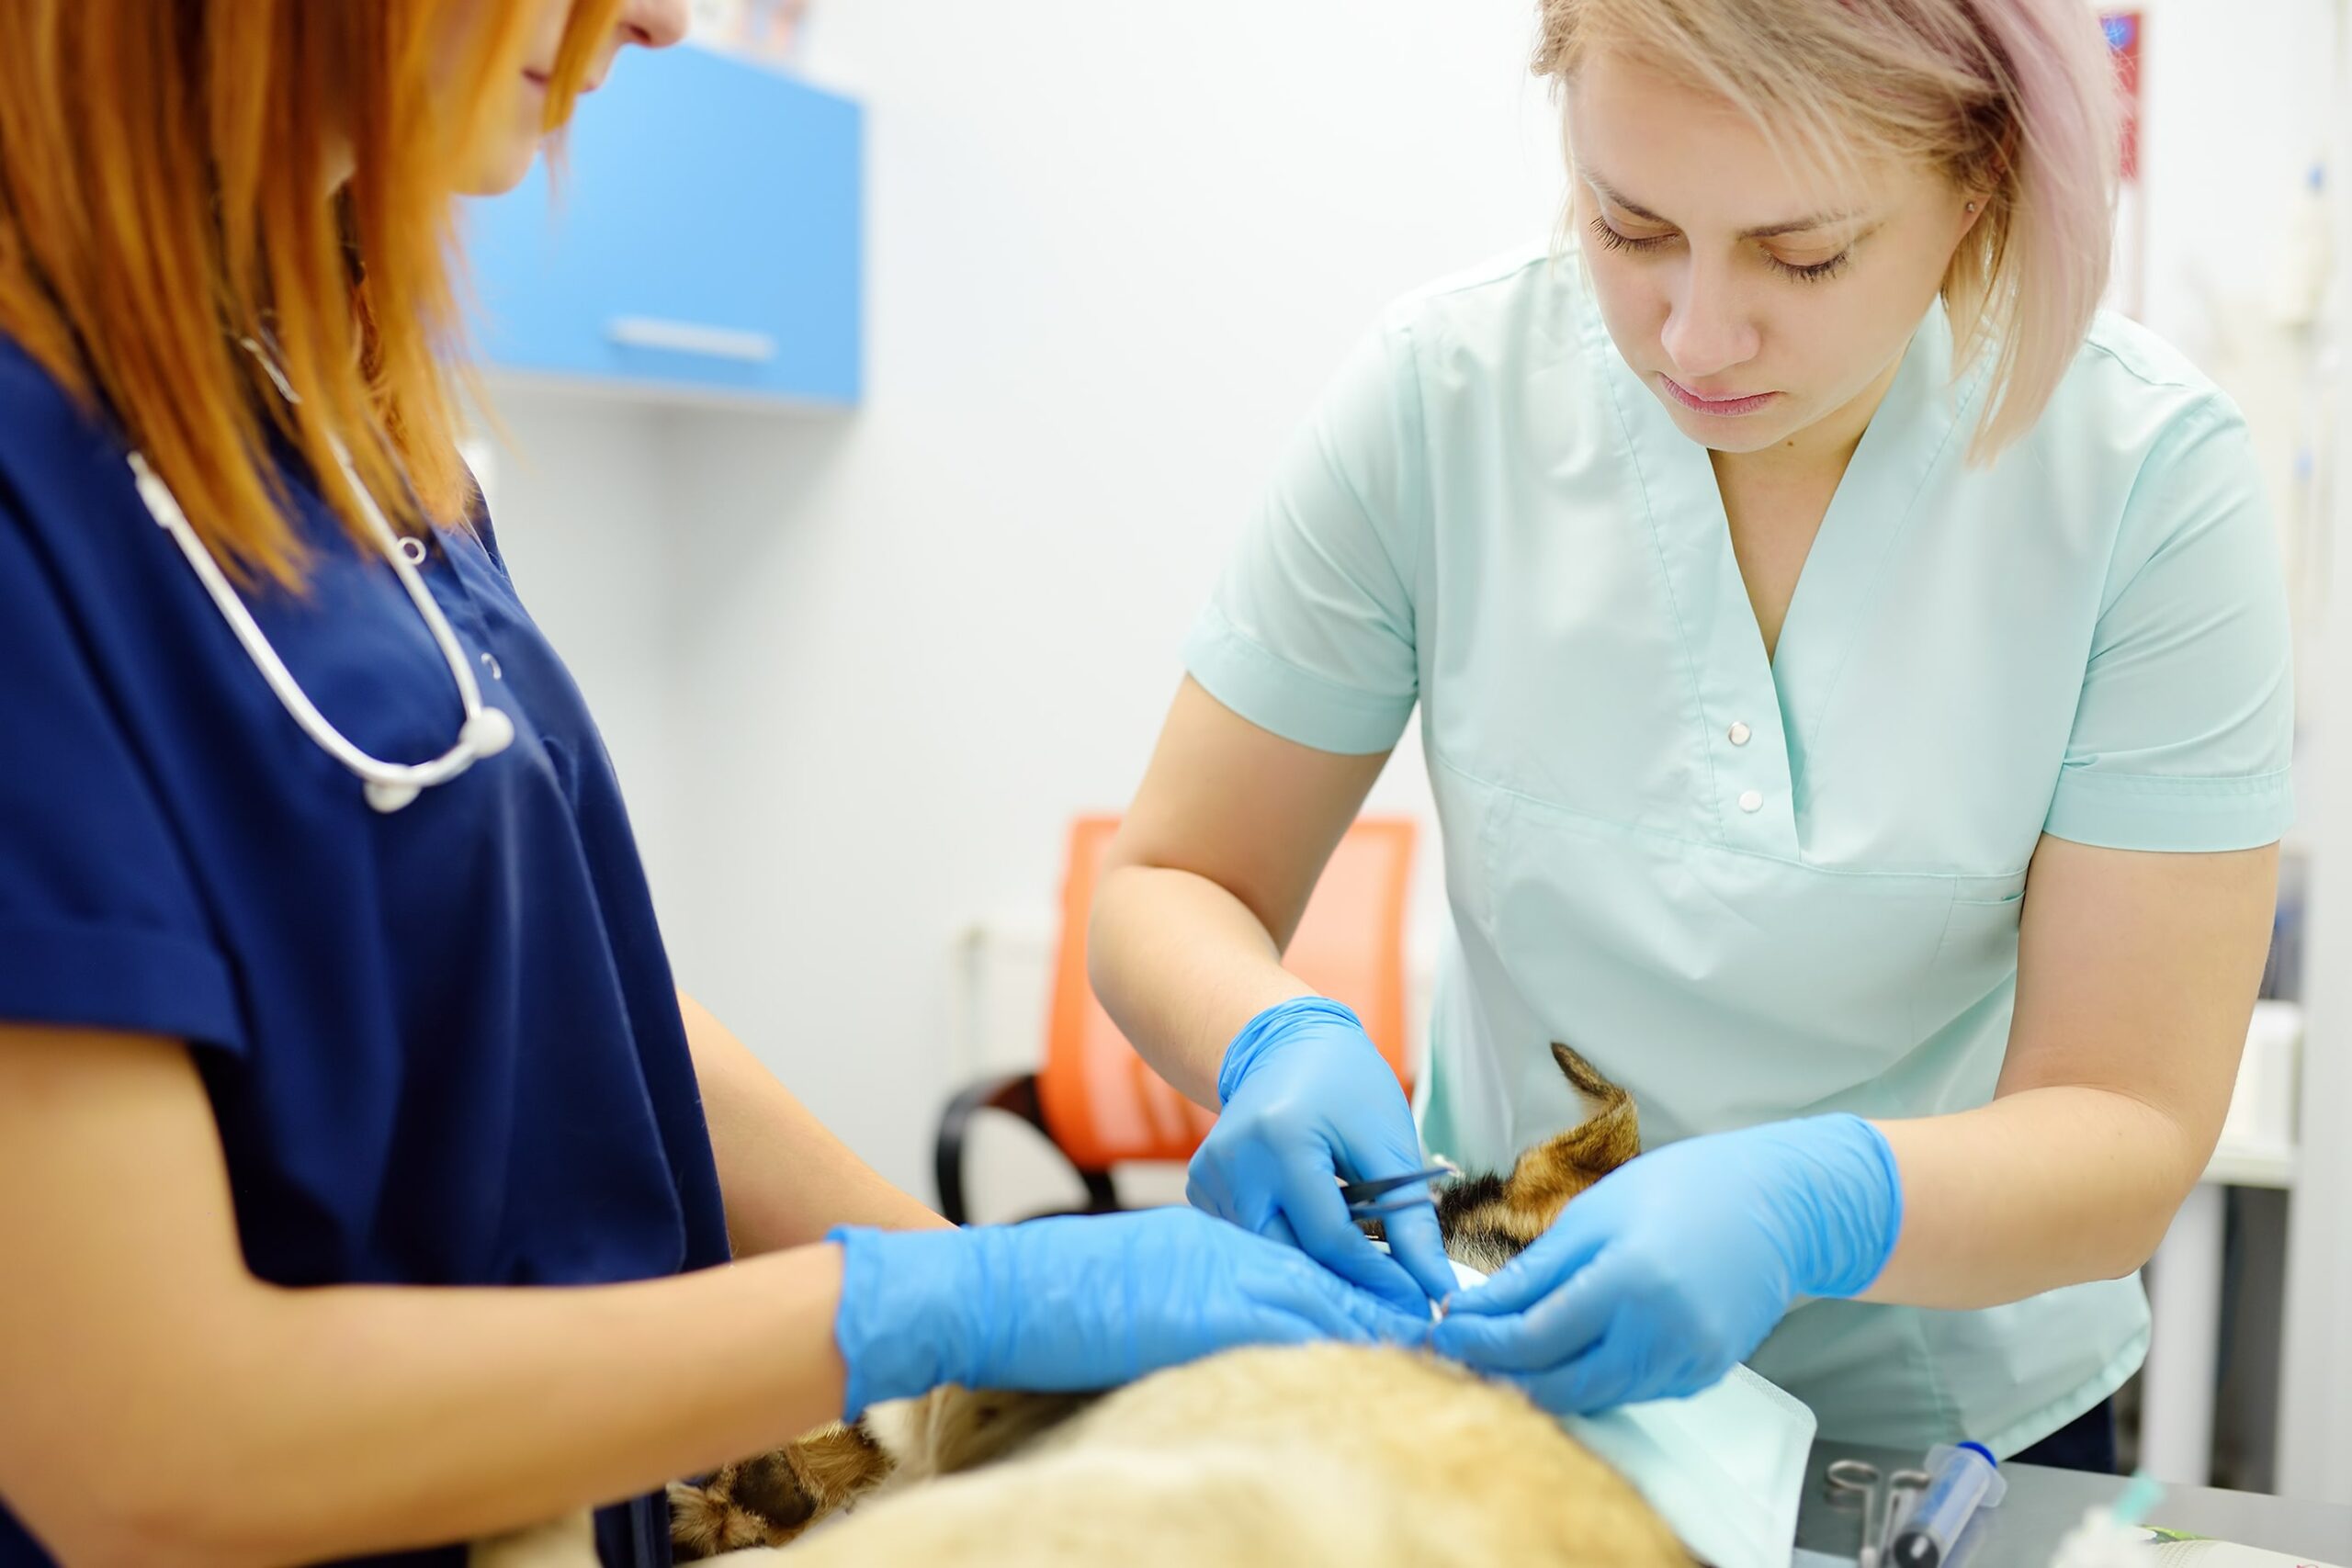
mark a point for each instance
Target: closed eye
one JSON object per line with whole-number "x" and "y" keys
{"x": 1609, "y": 237}
{"x": 1813, "y": 271}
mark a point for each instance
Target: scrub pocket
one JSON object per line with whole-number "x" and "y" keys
{"x": 1721, "y": 988}
{"x": 1978, "y": 954}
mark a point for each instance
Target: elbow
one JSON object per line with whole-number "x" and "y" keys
{"x": 2140, "y": 1183}
{"x": 220, "y": 1513}
{"x": 153, "y": 1544}
{"x": 149, "y": 1466}
{"x": 2133, "y": 1239}
{"x": 141, "y": 1521}
{"x": 2128, "y": 1253}
{"x": 204, "y": 1506}
{"x": 110, "y": 1485}
{"x": 1103, "y": 967}
{"x": 2159, "y": 1225}
{"x": 1103, "y": 925}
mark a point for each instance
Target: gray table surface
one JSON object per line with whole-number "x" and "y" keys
{"x": 2043, "y": 1505}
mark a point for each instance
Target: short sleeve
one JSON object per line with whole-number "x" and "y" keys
{"x": 2185, "y": 729}
{"x": 100, "y": 925}
{"x": 1310, "y": 633}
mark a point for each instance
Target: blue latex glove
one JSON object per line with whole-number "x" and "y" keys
{"x": 1081, "y": 1303}
{"x": 1676, "y": 1265}
{"x": 1308, "y": 1096}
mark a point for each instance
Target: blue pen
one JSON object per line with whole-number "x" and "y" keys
{"x": 1962, "y": 1479}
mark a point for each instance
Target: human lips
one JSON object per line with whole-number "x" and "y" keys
{"x": 545, "y": 82}
{"x": 1726, "y": 406}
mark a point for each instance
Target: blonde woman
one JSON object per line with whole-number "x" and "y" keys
{"x": 334, "y": 1023}
{"x": 1854, "y": 679}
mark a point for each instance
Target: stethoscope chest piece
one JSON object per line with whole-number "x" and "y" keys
{"x": 486, "y": 734}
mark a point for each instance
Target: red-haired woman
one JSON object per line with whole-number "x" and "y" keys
{"x": 334, "y": 1018}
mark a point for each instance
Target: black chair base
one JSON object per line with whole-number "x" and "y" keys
{"x": 1015, "y": 1096}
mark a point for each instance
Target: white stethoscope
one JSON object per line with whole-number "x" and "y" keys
{"x": 389, "y": 785}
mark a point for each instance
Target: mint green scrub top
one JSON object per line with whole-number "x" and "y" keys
{"x": 1748, "y": 888}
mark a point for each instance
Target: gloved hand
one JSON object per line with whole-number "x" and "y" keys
{"x": 1678, "y": 1264}
{"x": 1080, "y": 1303}
{"x": 1308, "y": 1096}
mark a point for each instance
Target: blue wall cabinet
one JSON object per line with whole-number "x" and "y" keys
{"x": 706, "y": 236}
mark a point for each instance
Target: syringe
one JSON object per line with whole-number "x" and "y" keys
{"x": 1962, "y": 1479}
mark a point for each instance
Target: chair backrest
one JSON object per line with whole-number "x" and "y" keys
{"x": 1104, "y": 1104}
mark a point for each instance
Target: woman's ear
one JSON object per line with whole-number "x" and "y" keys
{"x": 1979, "y": 184}
{"x": 1972, "y": 206}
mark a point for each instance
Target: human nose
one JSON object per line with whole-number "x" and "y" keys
{"x": 655, "y": 23}
{"x": 1707, "y": 327}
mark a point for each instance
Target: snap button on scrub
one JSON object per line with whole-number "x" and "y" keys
{"x": 1739, "y": 734}
{"x": 1752, "y": 801}
{"x": 414, "y": 550}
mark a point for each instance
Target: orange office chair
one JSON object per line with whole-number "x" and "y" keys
{"x": 1099, "y": 1104}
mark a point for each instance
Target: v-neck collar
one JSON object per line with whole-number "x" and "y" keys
{"x": 1776, "y": 703}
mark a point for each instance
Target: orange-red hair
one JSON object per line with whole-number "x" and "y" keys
{"x": 166, "y": 170}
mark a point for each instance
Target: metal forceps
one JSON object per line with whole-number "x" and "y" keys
{"x": 1855, "y": 1478}
{"x": 1363, "y": 1198}
{"x": 1898, "y": 1508}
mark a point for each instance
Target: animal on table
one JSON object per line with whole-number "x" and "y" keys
{"x": 1264, "y": 1455}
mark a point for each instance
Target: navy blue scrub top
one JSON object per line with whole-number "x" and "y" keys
{"x": 442, "y": 1046}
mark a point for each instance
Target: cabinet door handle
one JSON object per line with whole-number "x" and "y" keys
{"x": 687, "y": 337}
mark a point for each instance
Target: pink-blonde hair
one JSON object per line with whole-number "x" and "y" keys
{"x": 2015, "y": 100}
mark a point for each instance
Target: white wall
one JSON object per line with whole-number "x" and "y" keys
{"x": 2234, "y": 103}
{"x": 2234, "y": 113}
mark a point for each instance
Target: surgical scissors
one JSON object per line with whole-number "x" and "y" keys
{"x": 1362, "y": 1197}
{"x": 1912, "y": 1481}
{"x": 1878, "y": 1492}
{"x": 1848, "y": 1477}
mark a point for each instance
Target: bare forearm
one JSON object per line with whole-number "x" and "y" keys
{"x": 2135, "y": 976}
{"x": 353, "y": 1420}
{"x": 1181, "y": 964}
{"x": 2043, "y": 1188}
{"x": 787, "y": 1178}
